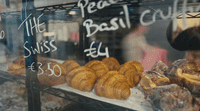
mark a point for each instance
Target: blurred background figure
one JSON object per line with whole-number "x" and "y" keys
{"x": 134, "y": 44}
{"x": 136, "y": 48}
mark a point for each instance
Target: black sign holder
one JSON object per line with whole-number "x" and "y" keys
{"x": 31, "y": 76}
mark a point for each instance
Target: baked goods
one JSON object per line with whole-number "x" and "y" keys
{"x": 20, "y": 60}
{"x": 155, "y": 77}
{"x": 51, "y": 80}
{"x": 16, "y": 69}
{"x": 138, "y": 65}
{"x": 133, "y": 65}
{"x": 112, "y": 63}
{"x": 113, "y": 85}
{"x": 163, "y": 95}
{"x": 99, "y": 67}
{"x": 81, "y": 78}
{"x": 185, "y": 73}
{"x": 18, "y": 66}
{"x": 151, "y": 79}
{"x": 99, "y": 90}
{"x": 171, "y": 98}
{"x": 55, "y": 67}
{"x": 133, "y": 77}
{"x": 70, "y": 65}
{"x": 54, "y": 73}
{"x": 197, "y": 100}
{"x": 132, "y": 70}
{"x": 160, "y": 67}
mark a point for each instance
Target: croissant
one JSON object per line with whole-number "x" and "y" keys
{"x": 16, "y": 69}
{"x": 113, "y": 85}
{"x": 112, "y": 63}
{"x": 132, "y": 70}
{"x": 18, "y": 65}
{"x": 133, "y": 65}
{"x": 99, "y": 67}
{"x": 99, "y": 90}
{"x": 20, "y": 60}
{"x": 81, "y": 78}
{"x": 70, "y": 65}
{"x": 133, "y": 77}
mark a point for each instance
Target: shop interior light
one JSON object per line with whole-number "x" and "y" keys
{"x": 72, "y": 12}
{"x": 45, "y": 34}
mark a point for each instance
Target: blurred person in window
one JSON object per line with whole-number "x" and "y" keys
{"x": 134, "y": 44}
{"x": 136, "y": 48}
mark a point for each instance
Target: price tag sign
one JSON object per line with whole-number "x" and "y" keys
{"x": 52, "y": 70}
{"x": 93, "y": 53}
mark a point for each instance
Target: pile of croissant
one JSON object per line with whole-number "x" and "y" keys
{"x": 107, "y": 77}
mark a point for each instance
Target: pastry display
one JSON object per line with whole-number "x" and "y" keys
{"x": 185, "y": 73}
{"x": 151, "y": 79}
{"x": 113, "y": 85}
{"x": 112, "y": 63}
{"x": 166, "y": 88}
{"x": 81, "y": 78}
{"x": 100, "y": 55}
{"x": 99, "y": 67}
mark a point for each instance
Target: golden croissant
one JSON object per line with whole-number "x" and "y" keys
{"x": 81, "y": 78}
{"x": 113, "y": 85}
{"x": 99, "y": 67}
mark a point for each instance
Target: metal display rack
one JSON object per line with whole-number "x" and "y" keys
{"x": 33, "y": 85}
{"x": 7, "y": 76}
{"x": 94, "y": 104}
